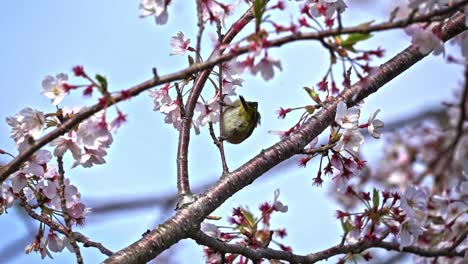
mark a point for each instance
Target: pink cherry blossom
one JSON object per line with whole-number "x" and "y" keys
{"x": 180, "y": 44}
{"x": 160, "y": 97}
{"x": 64, "y": 143}
{"x": 266, "y": 67}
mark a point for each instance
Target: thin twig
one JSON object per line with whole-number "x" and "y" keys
{"x": 218, "y": 144}
{"x": 180, "y": 99}
{"x": 221, "y": 102}
{"x": 66, "y": 214}
{"x": 201, "y": 27}
{"x": 268, "y": 253}
{"x": 59, "y": 228}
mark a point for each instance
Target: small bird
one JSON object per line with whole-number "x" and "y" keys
{"x": 239, "y": 120}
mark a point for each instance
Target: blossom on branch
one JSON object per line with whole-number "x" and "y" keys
{"x": 266, "y": 67}
{"x": 53, "y": 88}
{"x": 180, "y": 44}
{"x": 350, "y": 140}
{"x": 27, "y": 123}
{"x": 156, "y": 8}
{"x": 326, "y": 8}
{"x": 374, "y": 124}
{"x": 425, "y": 40}
{"x": 347, "y": 117}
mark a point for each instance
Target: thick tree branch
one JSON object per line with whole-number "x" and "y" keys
{"x": 14, "y": 165}
{"x": 187, "y": 219}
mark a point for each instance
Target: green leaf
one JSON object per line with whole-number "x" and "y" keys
{"x": 354, "y": 38}
{"x": 375, "y": 198}
{"x": 249, "y": 217}
{"x": 259, "y": 9}
{"x": 311, "y": 92}
{"x": 191, "y": 61}
{"x": 102, "y": 81}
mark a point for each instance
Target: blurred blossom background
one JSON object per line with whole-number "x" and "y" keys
{"x": 42, "y": 38}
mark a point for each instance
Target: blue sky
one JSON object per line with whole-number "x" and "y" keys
{"x": 48, "y": 37}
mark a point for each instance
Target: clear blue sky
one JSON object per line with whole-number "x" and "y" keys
{"x": 48, "y": 37}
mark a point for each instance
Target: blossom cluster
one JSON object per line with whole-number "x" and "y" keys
{"x": 248, "y": 230}
{"x": 427, "y": 37}
{"x": 40, "y": 183}
{"x": 412, "y": 218}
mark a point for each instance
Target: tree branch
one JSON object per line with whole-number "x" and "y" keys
{"x": 47, "y": 221}
{"x": 268, "y": 253}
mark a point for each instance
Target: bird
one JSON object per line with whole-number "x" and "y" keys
{"x": 239, "y": 118}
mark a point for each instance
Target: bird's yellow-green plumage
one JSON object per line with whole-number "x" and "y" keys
{"x": 239, "y": 120}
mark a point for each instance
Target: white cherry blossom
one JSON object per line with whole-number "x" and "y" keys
{"x": 156, "y": 8}
{"x": 210, "y": 229}
{"x": 374, "y": 124}
{"x": 53, "y": 87}
{"x": 277, "y": 205}
{"x": 347, "y": 117}
{"x": 425, "y": 40}
{"x": 410, "y": 230}
{"x": 414, "y": 202}
{"x": 350, "y": 140}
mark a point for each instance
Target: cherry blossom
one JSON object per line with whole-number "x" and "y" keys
{"x": 172, "y": 112}
{"x": 27, "y": 123}
{"x": 413, "y": 202}
{"x": 54, "y": 243}
{"x": 210, "y": 229}
{"x": 156, "y": 8}
{"x": 410, "y": 230}
{"x": 6, "y": 197}
{"x": 374, "y": 124}
{"x": 160, "y": 97}
{"x": 53, "y": 87}
{"x": 277, "y": 205}
{"x": 350, "y": 140}
{"x": 213, "y": 11}
{"x": 180, "y": 44}
{"x": 425, "y": 40}
{"x": 93, "y": 133}
{"x": 229, "y": 86}
{"x": 91, "y": 157}
{"x": 326, "y": 7}
{"x": 36, "y": 163}
{"x": 232, "y": 69}
{"x": 64, "y": 143}
{"x": 347, "y": 117}
{"x": 266, "y": 67}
